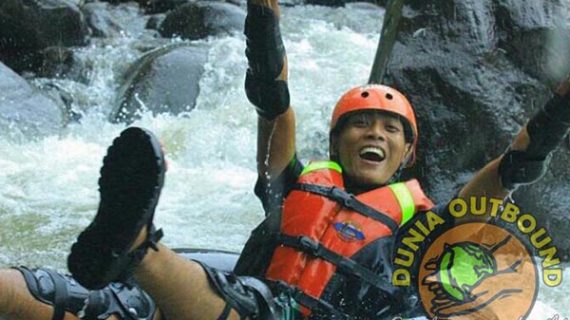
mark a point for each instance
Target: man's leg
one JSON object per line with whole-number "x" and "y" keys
{"x": 179, "y": 286}
{"x": 45, "y": 294}
{"x": 185, "y": 289}
{"x": 116, "y": 244}
{"x": 16, "y": 301}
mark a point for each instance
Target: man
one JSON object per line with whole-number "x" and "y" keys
{"x": 325, "y": 249}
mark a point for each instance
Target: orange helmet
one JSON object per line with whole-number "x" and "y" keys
{"x": 377, "y": 97}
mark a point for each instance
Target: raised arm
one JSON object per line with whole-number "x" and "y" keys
{"x": 528, "y": 157}
{"x": 266, "y": 88}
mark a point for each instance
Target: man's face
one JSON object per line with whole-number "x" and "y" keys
{"x": 370, "y": 148}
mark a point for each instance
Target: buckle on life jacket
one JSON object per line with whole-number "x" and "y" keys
{"x": 314, "y": 304}
{"x": 309, "y": 245}
{"x": 344, "y": 264}
{"x": 349, "y": 201}
{"x": 341, "y": 196}
{"x": 349, "y": 266}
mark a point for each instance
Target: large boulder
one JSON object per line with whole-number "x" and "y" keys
{"x": 165, "y": 80}
{"x": 24, "y": 111}
{"x": 202, "y": 19}
{"x": 475, "y": 71}
{"x": 28, "y": 26}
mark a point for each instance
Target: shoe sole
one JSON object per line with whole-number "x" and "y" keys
{"x": 131, "y": 179}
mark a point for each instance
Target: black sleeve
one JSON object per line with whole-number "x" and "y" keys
{"x": 272, "y": 193}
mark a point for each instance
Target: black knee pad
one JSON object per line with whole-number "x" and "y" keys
{"x": 65, "y": 294}
{"x": 52, "y": 288}
{"x": 265, "y": 50}
{"x": 125, "y": 301}
{"x": 250, "y": 297}
{"x": 266, "y": 57}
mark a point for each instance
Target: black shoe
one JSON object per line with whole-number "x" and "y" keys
{"x": 131, "y": 180}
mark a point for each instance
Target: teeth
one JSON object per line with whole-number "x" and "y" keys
{"x": 374, "y": 150}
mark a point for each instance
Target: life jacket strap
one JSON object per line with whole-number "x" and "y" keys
{"x": 312, "y": 303}
{"x": 348, "y": 201}
{"x": 344, "y": 265}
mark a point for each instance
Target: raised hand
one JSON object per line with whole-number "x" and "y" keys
{"x": 266, "y": 78}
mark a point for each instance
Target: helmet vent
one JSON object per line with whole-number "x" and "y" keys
{"x": 365, "y": 94}
{"x": 389, "y": 96}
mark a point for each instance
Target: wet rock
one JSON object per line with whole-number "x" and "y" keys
{"x": 58, "y": 62}
{"x": 282, "y": 3}
{"x": 153, "y": 6}
{"x": 241, "y": 3}
{"x": 530, "y": 24}
{"x": 63, "y": 99}
{"x": 161, "y": 6}
{"x": 108, "y": 21}
{"x": 111, "y": 1}
{"x": 475, "y": 72}
{"x": 27, "y": 26}
{"x": 101, "y": 20}
{"x": 290, "y": 3}
{"x": 341, "y": 3}
{"x": 154, "y": 21}
{"x": 24, "y": 111}
{"x": 151, "y": 44}
{"x": 165, "y": 80}
{"x": 330, "y": 3}
{"x": 202, "y": 19}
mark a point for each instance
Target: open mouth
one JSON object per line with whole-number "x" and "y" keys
{"x": 372, "y": 154}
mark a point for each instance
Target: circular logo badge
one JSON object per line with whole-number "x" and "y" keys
{"x": 349, "y": 231}
{"x": 478, "y": 271}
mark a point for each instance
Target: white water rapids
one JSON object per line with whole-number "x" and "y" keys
{"x": 48, "y": 185}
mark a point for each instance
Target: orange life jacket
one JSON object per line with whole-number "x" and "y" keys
{"x": 323, "y": 226}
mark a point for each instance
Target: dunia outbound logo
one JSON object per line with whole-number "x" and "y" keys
{"x": 480, "y": 260}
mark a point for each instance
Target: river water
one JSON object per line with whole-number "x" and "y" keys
{"x": 48, "y": 185}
